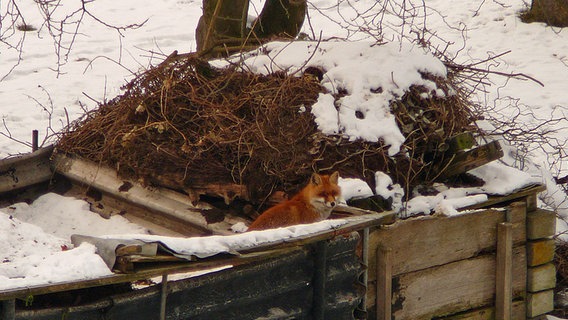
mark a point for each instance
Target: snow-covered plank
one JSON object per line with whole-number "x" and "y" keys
{"x": 527, "y": 194}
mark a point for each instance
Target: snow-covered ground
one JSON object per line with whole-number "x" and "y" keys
{"x": 36, "y": 93}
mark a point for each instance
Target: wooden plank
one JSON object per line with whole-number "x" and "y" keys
{"x": 461, "y": 141}
{"x": 518, "y": 313}
{"x": 424, "y": 242}
{"x": 540, "y": 303}
{"x": 532, "y": 203}
{"x": 453, "y": 287}
{"x": 164, "y": 296}
{"x": 541, "y": 224}
{"x": 25, "y": 170}
{"x": 540, "y": 252}
{"x": 384, "y": 283}
{"x": 541, "y": 278}
{"x": 465, "y": 161}
{"x": 504, "y": 269}
{"x": 519, "y": 195}
{"x": 105, "y": 180}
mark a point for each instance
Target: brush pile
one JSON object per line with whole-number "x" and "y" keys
{"x": 184, "y": 125}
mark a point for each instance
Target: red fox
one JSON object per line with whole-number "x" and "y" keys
{"x": 314, "y": 203}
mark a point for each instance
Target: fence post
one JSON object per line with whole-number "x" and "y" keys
{"x": 504, "y": 271}
{"x": 164, "y": 296}
{"x": 384, "y": 283}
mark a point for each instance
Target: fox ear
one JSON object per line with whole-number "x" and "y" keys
{"x": 334, "y": 177}
{"x": 315, "y": 179}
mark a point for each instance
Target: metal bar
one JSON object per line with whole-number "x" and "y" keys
{"x": 35, "y": 140}
{"x": 320, "y": 278}
{"x": 384, "y": 283}
{"x": 504, "y": 271}
{"x": 365, "y": 258}
{"x": 8, "y": 310}
{"x": 164, "y": 296}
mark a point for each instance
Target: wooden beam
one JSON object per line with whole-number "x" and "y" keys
{"x": 539, "y": 303}
{"x": 461, "y": 141}
{"x": 164, "y": 296}
{"x": 504, "y": 272}
{"x": 465, "y": 161}
{"x": 384, "y": 283}
{"x": 540, "y": 252}
{"x": 541, "y": 224}
{"x": 425, "y": 242}
{"x": 173, "y": 211}
{"x": 26, "y": 170}
{"x": 541, "y": 278}
{"x": 488, "y": 313}
{"x": 454, "y": 287}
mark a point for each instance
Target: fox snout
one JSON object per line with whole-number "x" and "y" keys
{"x": 331, "y": 203}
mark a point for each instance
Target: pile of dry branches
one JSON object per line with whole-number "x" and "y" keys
{"x": 184, "y": 124}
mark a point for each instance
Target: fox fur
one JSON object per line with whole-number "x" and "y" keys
{"x": 313, "y": 203}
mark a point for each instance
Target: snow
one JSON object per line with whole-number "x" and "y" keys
{"x": 35, "y": 96}
{"x": 354, "y": 188}
{"x": 32, "y": 257}
{"x": 35, "y": 242}
{"x": 354, "y": 67}
{"x": 203, "y": 247}
{"x": 64, "y": 216}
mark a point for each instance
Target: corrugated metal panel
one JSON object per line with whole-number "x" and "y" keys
{"x": 279, "y": 288}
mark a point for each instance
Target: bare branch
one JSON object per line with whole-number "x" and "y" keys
{"x": 62, "y": 21}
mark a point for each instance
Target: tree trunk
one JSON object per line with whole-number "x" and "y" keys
{"x": 222, "y": 22}
{"x": 283, "y": 18}
{"x": 551, "y": 12}
{"x": 222, "y": 27}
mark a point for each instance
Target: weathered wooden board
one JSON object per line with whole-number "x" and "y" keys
{"x": 540, "y": 303}
{"x": 519, "y": 312}
{"x": 504, "y": 271}
{"x": 541, "y": 224}
{"x": 540, "y": 252}
{"x": 160, "y": 206}
{"x": 425, "y": 242}
{"x": 453, "y": 287}
{"x": 465, "y": 161}
{"x": 26, "y": 170}
{"x": 541, "y": 278}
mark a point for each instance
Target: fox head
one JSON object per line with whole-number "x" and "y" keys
{"x": 323, "y": 192}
